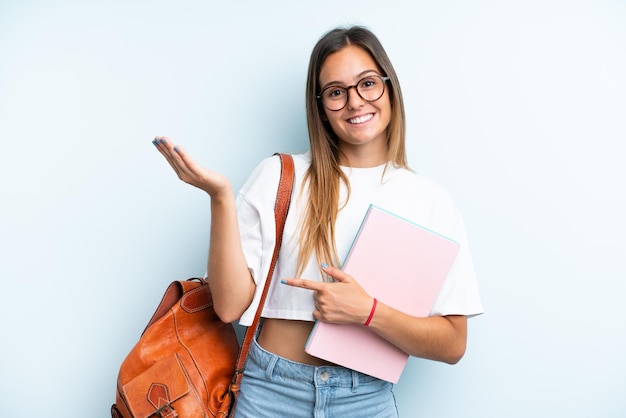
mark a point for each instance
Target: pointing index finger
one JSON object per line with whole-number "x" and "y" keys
{"x": 303, "y": 284}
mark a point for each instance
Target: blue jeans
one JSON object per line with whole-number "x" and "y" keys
{"x": 273, "y": 386}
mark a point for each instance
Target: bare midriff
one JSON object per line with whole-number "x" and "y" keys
{"x": 287, "y": 338}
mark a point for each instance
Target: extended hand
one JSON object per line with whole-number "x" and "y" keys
{"x": 188, "y": 171}
{"x": 341, "y": 302}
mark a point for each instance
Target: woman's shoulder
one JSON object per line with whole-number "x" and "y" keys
{"x": 267, "y": 172}
{"x": 426, "y": 202}
{"x": 421, "y": 184}
{"x": 272, "y": 162}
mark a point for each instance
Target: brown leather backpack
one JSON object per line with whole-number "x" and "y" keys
{"x": 184, "y": 362}
{"x": 187, "y": 363}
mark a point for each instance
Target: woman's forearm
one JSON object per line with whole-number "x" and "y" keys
{"x": 440, "y": 338}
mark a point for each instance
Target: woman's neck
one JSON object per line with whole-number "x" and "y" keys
{"x": 361, "y": 157}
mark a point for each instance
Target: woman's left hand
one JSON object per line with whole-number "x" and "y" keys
{"x": 341, "y": 302}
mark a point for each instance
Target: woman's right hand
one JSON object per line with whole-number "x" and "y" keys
{"x": 215, "y": 184}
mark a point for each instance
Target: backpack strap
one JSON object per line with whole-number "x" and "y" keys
{"x": 281, "y": 208}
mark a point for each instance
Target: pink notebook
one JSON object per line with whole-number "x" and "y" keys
{"x": 401, "y": 264}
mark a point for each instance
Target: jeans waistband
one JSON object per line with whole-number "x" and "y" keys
{"x": 277, "y": 366}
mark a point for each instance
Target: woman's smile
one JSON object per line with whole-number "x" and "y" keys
{"x": 359, "y": 120}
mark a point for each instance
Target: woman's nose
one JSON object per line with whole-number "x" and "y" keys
{"x": 354, "y": 98}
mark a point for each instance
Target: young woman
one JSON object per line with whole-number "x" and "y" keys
{"x": 356, "y": 123}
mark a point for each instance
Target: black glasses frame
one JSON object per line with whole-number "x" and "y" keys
{"x": 347, "y": 89}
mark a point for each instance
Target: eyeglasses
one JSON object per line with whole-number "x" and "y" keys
{"x": 370, "y": 89}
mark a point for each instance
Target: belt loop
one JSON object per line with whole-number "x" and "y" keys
{"x": 269, "y": 370}
{"x": 355, "y": 381}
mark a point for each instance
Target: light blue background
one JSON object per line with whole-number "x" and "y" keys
{"x": 517, "y": 107}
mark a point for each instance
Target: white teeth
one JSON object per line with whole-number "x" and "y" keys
{"x": 361, "y": 119}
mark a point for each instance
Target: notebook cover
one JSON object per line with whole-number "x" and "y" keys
{"x": 403, "y": 265}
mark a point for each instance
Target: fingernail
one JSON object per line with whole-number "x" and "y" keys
{"x": 162, "y": 141}
{"x": 283, "y": 281}
{"x": 155, "y": 142}
{"x": 176, "y": 149}
{"x": 324, "y": 265}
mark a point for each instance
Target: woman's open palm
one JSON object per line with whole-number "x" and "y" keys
{"x": 189, "y": 171}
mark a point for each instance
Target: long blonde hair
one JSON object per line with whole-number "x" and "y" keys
{"x": 324, "y": 175}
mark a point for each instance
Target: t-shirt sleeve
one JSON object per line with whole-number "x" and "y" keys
{"x": 459, "y": 294}
{"x": 255, "y": 215}
{"x": 257, "y": 227}
{"x": 249, "y": 220}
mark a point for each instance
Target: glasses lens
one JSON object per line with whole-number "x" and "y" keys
{"x": 334, "y": 97}
{"x": 371, "y": 88}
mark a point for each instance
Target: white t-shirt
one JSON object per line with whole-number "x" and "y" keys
{"x": 400, "y": 191}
